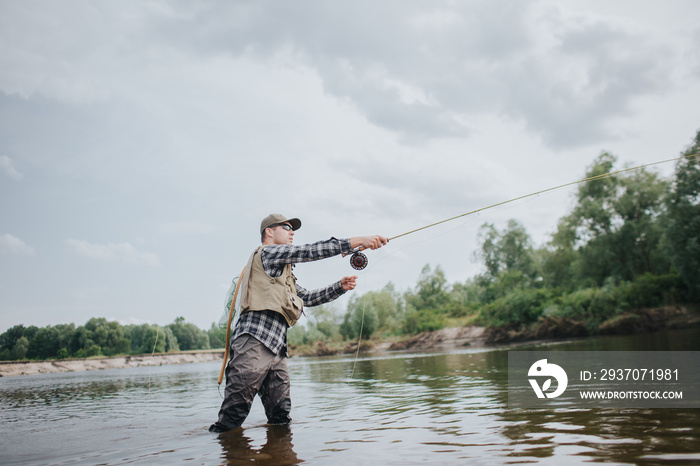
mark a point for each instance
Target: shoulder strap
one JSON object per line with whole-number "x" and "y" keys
{"x": 246, "y": 276}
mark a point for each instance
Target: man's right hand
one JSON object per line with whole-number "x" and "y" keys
{"x": 368, "y": 242}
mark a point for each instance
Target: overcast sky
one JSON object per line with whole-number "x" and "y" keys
{"x": 141, "y": 142}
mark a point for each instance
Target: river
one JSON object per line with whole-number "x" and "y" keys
{"x": 397, "y": 408}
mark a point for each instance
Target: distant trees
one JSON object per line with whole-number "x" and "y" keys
{"x": 427, "y": 306}
{"x": 99, "y": 337}
{"x": 188, "y": 335}
{"x": 614, "y": 232}
{"x": 631, "y": 241}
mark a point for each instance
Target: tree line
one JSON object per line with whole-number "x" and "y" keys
{"x": 632, "y": 240}
{"x": 100, "y": 337}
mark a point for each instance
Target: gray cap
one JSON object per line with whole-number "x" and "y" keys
{"x": 274, "y": 219}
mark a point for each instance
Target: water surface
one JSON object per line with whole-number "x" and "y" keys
{"x": 398, "y": 408}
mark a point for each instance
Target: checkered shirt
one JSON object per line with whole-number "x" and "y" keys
{"x": 270, "y": 327}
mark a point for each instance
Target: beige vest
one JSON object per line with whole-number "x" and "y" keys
{"x": 263, "y": 292}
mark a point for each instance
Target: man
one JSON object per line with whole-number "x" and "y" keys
{"x": 272, "y": 302}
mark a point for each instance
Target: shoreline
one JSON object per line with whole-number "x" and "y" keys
{"x": 548, "y": 329}
{"x": 53, "y": 366}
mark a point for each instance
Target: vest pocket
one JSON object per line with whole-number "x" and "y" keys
{"x": 293, "y": 310}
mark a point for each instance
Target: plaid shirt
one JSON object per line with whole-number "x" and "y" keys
{"x": 270, "y": 327}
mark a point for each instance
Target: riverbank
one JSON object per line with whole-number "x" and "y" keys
{"x": 9, "y": 369}
{"x": 545, "y": 329}
{"x": 550, "y": 328}
{"x": 627, "y": 323}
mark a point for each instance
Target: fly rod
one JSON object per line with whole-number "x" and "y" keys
{"x": 359, "y": 261}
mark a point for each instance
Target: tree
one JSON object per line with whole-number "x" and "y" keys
{"x": 323, "y": 323}
{"x": 682, "y": 219}
{"x": 45, "y": 344}
{"x": 559, "y": 255}
{"x": 9, "y": 338}
{"x": 216, "y": 336}
{"x": 19, "y": 350}
{"x": 614, "y": 230}
{"x": 14, "y": 343}
{"x": 508, "y": 251}
{"x": 189, "y": 336}
{"x": 360, "y": 320}
{"x": 428, "y": 305}
{"x": 109, "y": 336}
{"x": 431, "y": 291}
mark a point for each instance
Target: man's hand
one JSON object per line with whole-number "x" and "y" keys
{"x": 368, "y": 242}
{"x": 349, "y": 283}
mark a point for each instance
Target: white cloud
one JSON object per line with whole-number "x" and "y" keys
{"x": 12, "y": 245}
{"x": 113, "y": 252}
{"x": 414, "y": 68}
{"x": 7, "y": 167}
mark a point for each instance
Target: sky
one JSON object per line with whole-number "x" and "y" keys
{"x": 142, "y": 142}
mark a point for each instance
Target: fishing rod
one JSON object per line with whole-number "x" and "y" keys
{"x": 359, "y": 260}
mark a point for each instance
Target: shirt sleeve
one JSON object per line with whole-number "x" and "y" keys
{"x": 276, "y": 256}
{"x": 321, "y": 295}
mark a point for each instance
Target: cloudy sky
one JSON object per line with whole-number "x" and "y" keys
{"x": 141, "y": 142}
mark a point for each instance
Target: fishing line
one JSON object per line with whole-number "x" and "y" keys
{"x": 584, "y": 180}
{"x": 152, "y": 354}
{"x": 357, "y": 351}
{"x": 362, "y": 327}
{"x": 359, "y": 261}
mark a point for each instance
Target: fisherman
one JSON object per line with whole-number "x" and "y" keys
{"x": 272, "y": 302}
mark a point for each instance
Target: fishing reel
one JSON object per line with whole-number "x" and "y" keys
{"x": 358, "y": 261}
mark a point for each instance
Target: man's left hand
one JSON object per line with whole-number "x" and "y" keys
{"x": 349, "y": 283}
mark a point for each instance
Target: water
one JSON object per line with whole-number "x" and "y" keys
{"x": 448, "y": 407}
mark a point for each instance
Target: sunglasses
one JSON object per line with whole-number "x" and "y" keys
{"x": 286, "y": 226}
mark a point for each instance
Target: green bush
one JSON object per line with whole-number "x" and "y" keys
{"x": 423, "y": 321}
{"x": 295, "y": 335}
{"x": 359, "y": 319}
{"x": 94, "y": 350}
{"x": 313, "y": 335}
{"x": 327, "y": 328}
{"x": 520, "y": 306}
{"x": 594, "y": 304}
{"x": 656, "y": 290}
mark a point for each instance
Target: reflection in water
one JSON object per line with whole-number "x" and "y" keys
{"x": 448, "y": 408}
{"x": 621, "y": 435}
{"x": 278, "y": 448}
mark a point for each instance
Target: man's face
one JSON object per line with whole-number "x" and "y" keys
{"x": 280, "y": 235}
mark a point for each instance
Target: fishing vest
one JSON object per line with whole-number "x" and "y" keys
{"x": 262, "y": 292}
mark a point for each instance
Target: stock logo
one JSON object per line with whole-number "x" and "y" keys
{"x": 543, "y": 369}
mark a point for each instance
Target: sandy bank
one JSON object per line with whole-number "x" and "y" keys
{"x": 446, "y": 338}
{"x": 120, "y": 362}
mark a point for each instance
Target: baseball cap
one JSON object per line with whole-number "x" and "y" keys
{"x": 274, "y": 219}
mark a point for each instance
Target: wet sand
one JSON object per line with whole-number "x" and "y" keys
{"x": 8, "y": 369}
